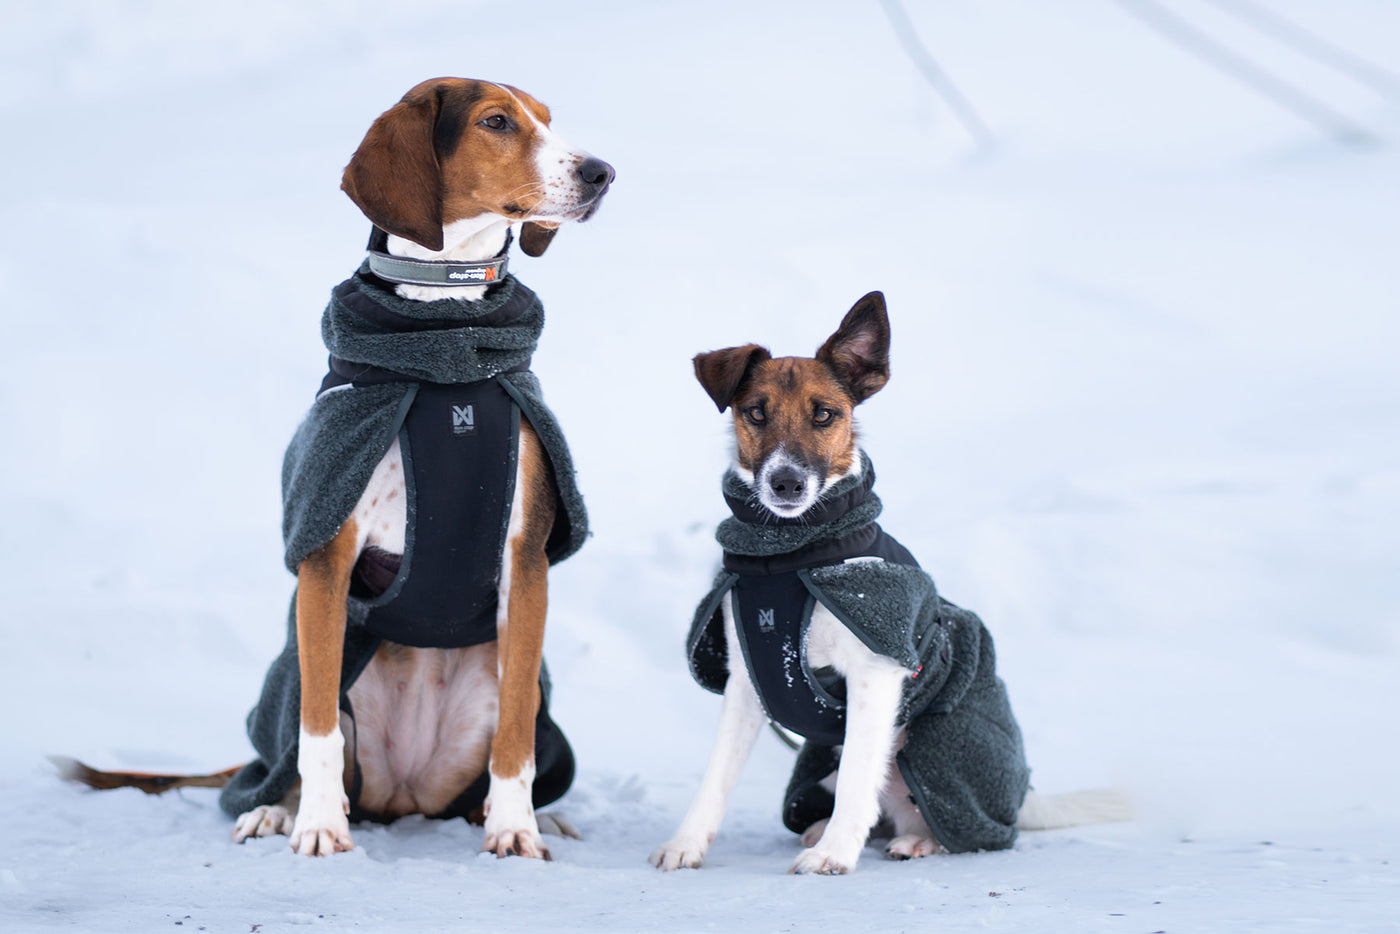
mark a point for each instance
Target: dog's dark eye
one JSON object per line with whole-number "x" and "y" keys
{"x": 823, "y": 417}
{"x": 755, "y": 414}
{"x": 496, "y": 122}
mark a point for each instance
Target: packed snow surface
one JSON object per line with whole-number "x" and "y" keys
{"x": 1143, "y": 419}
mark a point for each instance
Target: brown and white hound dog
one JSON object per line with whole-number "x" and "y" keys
{"x": 445, "y": 172}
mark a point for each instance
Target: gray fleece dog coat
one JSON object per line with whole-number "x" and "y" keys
{"x": 450, "y": 380}
{"x": 962, "y": 760}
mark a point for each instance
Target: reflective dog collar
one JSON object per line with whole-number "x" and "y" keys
{"x": 444, "y": 272}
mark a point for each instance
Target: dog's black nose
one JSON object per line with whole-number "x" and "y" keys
{"x": 787, "y": 483}
{"x": 596, "y": 173}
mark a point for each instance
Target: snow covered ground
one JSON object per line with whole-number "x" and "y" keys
{"x": 1143, "y": 419}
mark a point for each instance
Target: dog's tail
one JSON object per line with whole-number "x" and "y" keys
{"x": 1096, "y": 806}
{"x": 152, "y": 783}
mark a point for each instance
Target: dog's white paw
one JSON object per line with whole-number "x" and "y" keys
{"x": 821, "y": 861}
{"x": 813, "y": 834}
{"x": 679, "y": 853}
{"x": 322, "y": 827}
{"x": 911, "y": 846}
{"x": 511, "y": 828}
{"x": 264, "y": 821}
{"x": 520, "y": 841}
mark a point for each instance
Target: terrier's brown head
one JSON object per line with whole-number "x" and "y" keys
{"x": 794, "y": 435}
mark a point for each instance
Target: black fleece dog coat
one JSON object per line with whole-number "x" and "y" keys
{"x": 450, "y": 380}
{"x": 962, "y": 759}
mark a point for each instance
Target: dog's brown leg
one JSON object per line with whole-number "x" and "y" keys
{"x": 323, "y": 585}
{"x": 511, "y": 828}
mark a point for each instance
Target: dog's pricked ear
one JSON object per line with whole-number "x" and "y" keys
{"x": 859, "y": 352}
{"x": 394, "y": 177}
{"x": 535, "y": 237}
{"x": 722, "y": 372}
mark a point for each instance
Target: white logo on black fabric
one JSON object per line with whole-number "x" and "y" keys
{"x": 463, "y": 419}
{"x": 765, "y": 620}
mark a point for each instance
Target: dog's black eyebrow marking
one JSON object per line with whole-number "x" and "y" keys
{"x": 454, "y": 104}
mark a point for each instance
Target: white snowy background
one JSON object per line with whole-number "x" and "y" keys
{"x": 1143, "y": 418}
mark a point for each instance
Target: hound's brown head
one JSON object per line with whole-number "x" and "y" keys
{"x": 793, "y": 426}
{"x": 454, "y": 149}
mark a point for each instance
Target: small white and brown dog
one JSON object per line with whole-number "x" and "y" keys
{"x": 795, "y": 441}
{"x": 445, "y": 173}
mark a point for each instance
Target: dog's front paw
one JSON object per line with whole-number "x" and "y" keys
{"x": 679, "y": 853}
{"x": 511, "y": 827}
{"x": 520, "y": 841}
{"x": 322, "y": 827}
{"x": 911, "y": 846}
{"x": 818, "y": 860}
{"x": 264, "y": 821}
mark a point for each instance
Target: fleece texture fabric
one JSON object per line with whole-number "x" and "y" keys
{"x": 384, "y": 349}
{"x": 963, "y": 758}
{"x": 385, "y": 346}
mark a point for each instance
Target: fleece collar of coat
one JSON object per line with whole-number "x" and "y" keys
{"x": 757, "y": 541}
{"x": 442, "y": 341}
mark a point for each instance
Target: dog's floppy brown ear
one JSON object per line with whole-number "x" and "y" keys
{"x": 722, "y": 372}
{"x": 859, "y": 352}
{"x": 535, "y": 237}
{"x": 394, "y": 176}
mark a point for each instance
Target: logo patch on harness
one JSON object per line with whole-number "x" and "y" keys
{"x": 463, "y": 420}
{"x": 765, "y": 620}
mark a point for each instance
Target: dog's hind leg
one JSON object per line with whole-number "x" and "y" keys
{"x": 912, "y": 837}
{"x": 558, "y": 825}
{"x": 511, "y": 827}
{"x": 323, "y": 585}
{"x": 268, "y": 820}
{"x": 814, "y": 830}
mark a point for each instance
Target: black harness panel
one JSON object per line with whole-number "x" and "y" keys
{"x": 772, "y": 608}
{"x": 771, "y": 618}
{"x": 459, "y": 447}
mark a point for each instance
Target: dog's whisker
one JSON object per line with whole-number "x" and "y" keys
{"x": 527, "y": 190}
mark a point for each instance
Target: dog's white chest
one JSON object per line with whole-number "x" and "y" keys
{"x": 829, "y": 642}
{"x": 382, "y": 512}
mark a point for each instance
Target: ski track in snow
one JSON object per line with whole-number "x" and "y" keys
{"x": 1142, "y": 420}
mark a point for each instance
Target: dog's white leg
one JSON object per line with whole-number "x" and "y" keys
{"x": 873, "y": 688}
{"x": 511, "y": 827}
{"x": 740, "y": 719}
{"x": 321, "y": 826}
{"x": 814, "y": 830}
{"x": 912, "y": 837}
